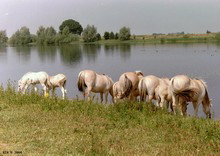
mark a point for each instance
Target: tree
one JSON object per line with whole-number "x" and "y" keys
{"x": 217, "y": 36}
{"x": 124, "y": 33}
{"x": 3, "y": 37}
{"x": 111, "y": 35}
{"x": 74, "y": 26}
{"x": 98, "y": 36}
{"x": 106, "y": 35}
{"x": 50, "y": 34}
{"x": 116, "y": 36}
{"x": 66, "y": 37}
{"x": 21, "y": 36}
{"x": 41, "y": 35}
{"x": 89, "y": 34}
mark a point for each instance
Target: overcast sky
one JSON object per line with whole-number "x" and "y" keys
{"x": 142, "y": 16}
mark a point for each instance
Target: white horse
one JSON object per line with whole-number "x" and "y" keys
{"x": 163, "y": 94}
{"x": 128, "y": 85}
{"x": 184, "y": 89}
{"x": 147, "y": 86}
{"x": 33, "y": 78}
{"x": 116, "y": 92}
{"x": 97, "y": 83}
{"x": 58, "y": 80}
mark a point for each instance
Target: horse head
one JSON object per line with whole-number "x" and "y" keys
{"x": 20, "y": 85}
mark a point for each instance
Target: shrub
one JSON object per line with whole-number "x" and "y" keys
{"x": 124, "y": 33}
{"x": 106, "y": 35}
{"x": 89, "y": 34}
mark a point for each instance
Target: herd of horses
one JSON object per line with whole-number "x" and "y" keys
{"x": 176, "y": 92}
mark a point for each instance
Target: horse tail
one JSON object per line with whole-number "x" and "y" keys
{"x": 127, "y": 86}
{"x": 81, "y": 82}
{"x": 142, "y": 89}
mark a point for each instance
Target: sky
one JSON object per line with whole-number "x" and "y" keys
{"x": 141, "y": 16}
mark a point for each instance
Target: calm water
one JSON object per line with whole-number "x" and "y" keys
{"x": 162, "y": 60}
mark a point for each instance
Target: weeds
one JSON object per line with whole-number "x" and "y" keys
{"x": 37, "y": 125}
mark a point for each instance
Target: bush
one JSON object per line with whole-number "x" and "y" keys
{"x": 111, "y": 35}
{"x": 217, "y": 36}
{"x": 106, "y": 35}
{"x": 21, "y": 36}
{"x": 124, "y": 33}
{"x": 89, "y": 34}
{"x": 74, "y": 26}
{"x": 3, "y": 37}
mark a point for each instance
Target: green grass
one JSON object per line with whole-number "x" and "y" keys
{"x": 35, "y": 125}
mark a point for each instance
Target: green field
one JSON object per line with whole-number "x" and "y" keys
{"x": 34, "y": 125}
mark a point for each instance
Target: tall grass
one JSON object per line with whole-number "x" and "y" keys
{"x": 35, "y": 125}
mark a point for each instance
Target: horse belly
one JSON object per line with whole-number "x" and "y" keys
{"x": 99, "y": 88}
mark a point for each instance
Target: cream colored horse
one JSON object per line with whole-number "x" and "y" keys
{"x": 97, "y": 83}
{"x": 184, "y": 89}
{"x": 163, "y": 94}
{"x": 58, "y": 80}
{"x": 147, "y": 86}
{"x": 34, "y": 78}
{"x": 116, "y": 92}
{"x": 128, "y": 85}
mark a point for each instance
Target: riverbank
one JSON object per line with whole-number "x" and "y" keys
{"x": 34, "y": 125}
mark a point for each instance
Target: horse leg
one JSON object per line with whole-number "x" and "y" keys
{"x": 196, "y": 106}
{"x": 25, "y": 88}
{"x": 63, "y": 92}
{"x": 158, "y": 101}
{"x": 206, "y": 110}
{"x": 174, "y": 103}
{"x": 88, "y": 92}
{"x": 150, "y": 98}
{"x": 162, "y": 103}
{"x": 106, "y": 97}
{"x": 101, "y": 96}
{"x": 45, "y": 89}
{"x": 183, "y": 108}
{"x": 35, "y": 88}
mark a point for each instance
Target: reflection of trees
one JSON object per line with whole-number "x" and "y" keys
{"x": 3, "y": 52}
{"x": 125, "y": 50}
{"x": 47, "y": 52}
{"x": 110, "y": 48}
{"x": 3, "y": 49}
{"x": 24, "y": 51}
{"x": 91, "y": 51}
{"x": 70, "y": 54}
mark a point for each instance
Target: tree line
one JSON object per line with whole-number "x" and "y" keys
{"x": 69, "y": 31}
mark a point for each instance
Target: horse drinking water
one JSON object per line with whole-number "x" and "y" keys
{"x": 58, "y": 80}
{"x": 184, "y": 89}
{"x": 33, "y": 78}
{"x": 97, "y": 83}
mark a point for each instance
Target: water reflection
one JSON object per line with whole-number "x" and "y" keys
{"x": 23, "y": 52}
{"x": 125, "y": 50}
{"x": 3, "y": 53}
{"x": 91, "y": 51}
{"x": 46, "y": 52}
{"x": 70, "y": 54}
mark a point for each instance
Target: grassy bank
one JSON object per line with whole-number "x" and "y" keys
{"x": 34, "y": 125}
{"x": 169, "y": 38}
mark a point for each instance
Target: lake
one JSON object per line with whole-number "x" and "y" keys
{"x": 201, "y": 60}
